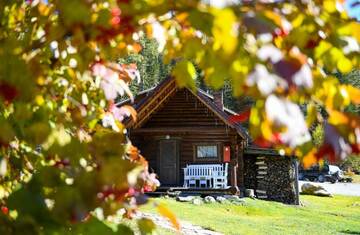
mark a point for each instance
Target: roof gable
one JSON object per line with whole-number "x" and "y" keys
{"x": 155, "y": 98}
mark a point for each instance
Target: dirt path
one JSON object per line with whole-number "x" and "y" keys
{"x": 186, "y": 227}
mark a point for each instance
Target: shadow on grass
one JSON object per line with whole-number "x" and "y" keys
{"x": 351, "y": 232}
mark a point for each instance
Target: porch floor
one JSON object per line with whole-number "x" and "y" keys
{"x": 174, "y": 191}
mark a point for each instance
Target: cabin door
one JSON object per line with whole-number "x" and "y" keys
{"x": 168, "y": 172}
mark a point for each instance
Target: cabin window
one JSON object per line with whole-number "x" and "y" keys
{"x": 207, "y": 151}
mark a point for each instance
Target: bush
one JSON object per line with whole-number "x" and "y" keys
{"x": 352, "y": 163}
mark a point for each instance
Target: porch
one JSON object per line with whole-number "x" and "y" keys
{"x": 176, "y": 191}
{"x": 191, "y": 163}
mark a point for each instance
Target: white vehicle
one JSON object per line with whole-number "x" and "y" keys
{"x": 335, "y": 169}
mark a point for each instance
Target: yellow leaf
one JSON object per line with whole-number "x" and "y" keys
{"x": 329, "y": 5}
{"x": 266, "y": 130}
{"x": 344, "y": 65}
{"x": 276, "y": 18}
{"x": 322, "y": 48}
{"x": 356, "y": 30}
{"x": 350, "y": 29}
{"x": 39, "y": 100}
{"x": 224, "y": 31}
{"x": 154, "y": 3}
{"x": 164, "y": 211}
{"x": 311, "y": 114}
{"x": 299, "y": 19}
{"x": 185, "y": 74}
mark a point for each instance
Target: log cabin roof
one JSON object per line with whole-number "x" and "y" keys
{"x": 150, "y": 100}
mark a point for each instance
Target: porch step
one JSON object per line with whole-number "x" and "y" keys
{"x": 262, "y": 167}
{"x": 262, "y": 172}
{"x": 260, "y": 163}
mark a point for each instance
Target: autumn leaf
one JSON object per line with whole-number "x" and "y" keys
{"x": 224, "y": 31}
{"x": 185, "y": 74}
{"x": 354, "y": 94}
{"x": 146, "y": 226}
{"x": 241, "y": 117}
{"x": 309, "y": 159}
{"x": 164, "y": 211}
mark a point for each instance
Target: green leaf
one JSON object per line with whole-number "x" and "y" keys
{"x": 115, "y": 171}
{"x": 6, "y": 131}
{"x": 95, "y": 226}
{"x": 81, "y": 15}
{"x": 37, "y": 132}
{"x": 28, "y": 201}
{"x": 202, "y": 21}
{"x": 146, "y": 226}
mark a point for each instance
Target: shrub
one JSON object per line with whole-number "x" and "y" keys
{"x": 352, "y": 163}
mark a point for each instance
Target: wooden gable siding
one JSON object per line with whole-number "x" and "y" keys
{"x": 184, "y": 110}
{"x": 184, "y": 118}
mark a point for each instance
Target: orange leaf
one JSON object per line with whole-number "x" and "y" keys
{"x": 354, "y": 94}
{"x": 164, "y": 211}
{"x": 131, "y": 110}
{"x": 137, "y": 47}
{"x": 309, "y": 159}
{"x": 338, "y": 118}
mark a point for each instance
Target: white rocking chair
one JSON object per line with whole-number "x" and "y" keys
{"x": 220, "y": 175}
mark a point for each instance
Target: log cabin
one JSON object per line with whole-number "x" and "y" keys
{"x": 177, "y": 127}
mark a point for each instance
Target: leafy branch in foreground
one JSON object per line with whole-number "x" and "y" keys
{"x": 64, "y": 150}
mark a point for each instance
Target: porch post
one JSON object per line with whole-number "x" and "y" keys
{"x": 233, "y": 180}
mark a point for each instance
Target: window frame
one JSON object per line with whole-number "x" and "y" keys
{"x": 206, "y": 159}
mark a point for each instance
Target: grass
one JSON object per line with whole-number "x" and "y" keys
{"x": 337, "y": 215}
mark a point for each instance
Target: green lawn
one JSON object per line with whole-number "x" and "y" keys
{"x": 337, "y": 215}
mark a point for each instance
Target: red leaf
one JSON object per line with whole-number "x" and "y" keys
{"x": 355, "y": 148}
{"x": 287, "y": 68}
{"x": 5, "y": 210}
{"x": 327, "y": 151}
{"x": 241, "y": 117}
{"x": 276, "y": 137}
{"x": 261, "y": 142}
{"x": 312, "y": 43}
{"x": 115, "y": 11}
{"x": 7, "y": 91}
